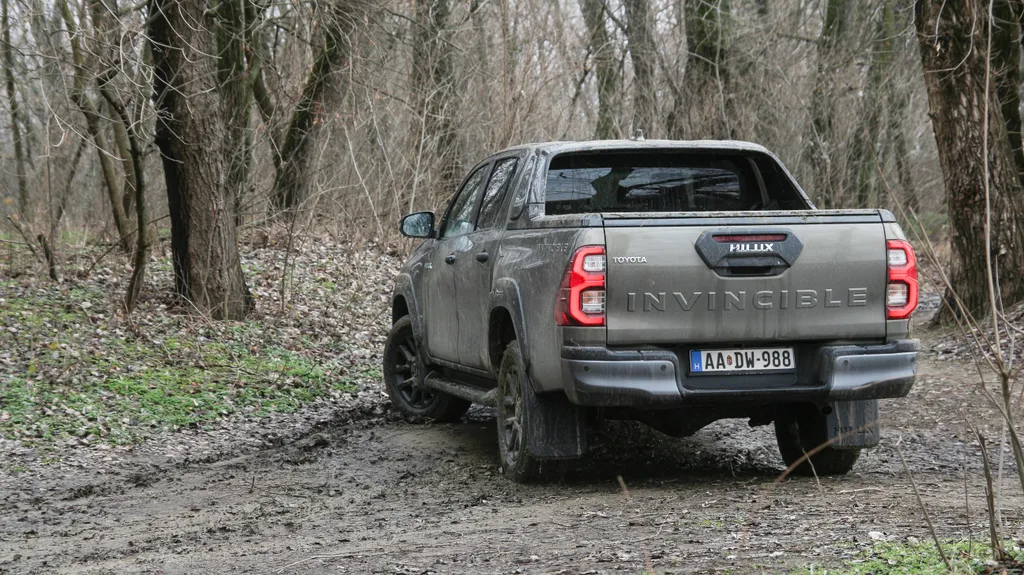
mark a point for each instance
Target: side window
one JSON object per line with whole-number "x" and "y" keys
{"x": 495, "y": 194}
{"x": 459, "y": 221}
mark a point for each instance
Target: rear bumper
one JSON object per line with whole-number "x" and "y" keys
{"x": 600, "y": 377}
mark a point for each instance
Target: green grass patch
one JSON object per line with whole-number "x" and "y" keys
{"x": 919, "y": 557}
{"x": 69, "y": 368}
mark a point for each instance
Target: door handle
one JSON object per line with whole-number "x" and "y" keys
{"x": 449, "y": 259}
{"x": 482, "y": 257}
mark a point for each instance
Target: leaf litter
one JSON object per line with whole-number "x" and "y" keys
{"x": 77, "y": 374}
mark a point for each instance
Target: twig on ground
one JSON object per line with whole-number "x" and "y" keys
{"x": 924, "y": 510}
{"x": 24, "y": 236}
{"x": 335, "y": 556}
{"x": 846, "y": 491}
{"x": 648, "y": 564}
{"x": 51, "y": 264}
{"x": 967, "y": 509}
{"x": 117, "y": 244}
{"x": 625, "y": 490}
{"x": 997, "y": 551}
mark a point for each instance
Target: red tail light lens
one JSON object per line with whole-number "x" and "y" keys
{"x": 901, "y": 291}
{"x": 581, "y": 298}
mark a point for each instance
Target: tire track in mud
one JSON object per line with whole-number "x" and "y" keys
{"x": 373, "y": 494}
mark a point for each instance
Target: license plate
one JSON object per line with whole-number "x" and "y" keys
{"x": 740, "y": 360}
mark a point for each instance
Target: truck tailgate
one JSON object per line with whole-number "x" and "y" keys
{"x": 745, "y": 279}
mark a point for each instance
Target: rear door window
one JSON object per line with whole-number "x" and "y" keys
{"x": 663, "y": 181}
{"x": 494, "y": 195}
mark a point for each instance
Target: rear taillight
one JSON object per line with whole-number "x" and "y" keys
{"x": 581, "y": 295}
{"x": 901, "y": 291}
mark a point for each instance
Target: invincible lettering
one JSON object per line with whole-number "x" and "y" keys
{"x": 741, "y": 299}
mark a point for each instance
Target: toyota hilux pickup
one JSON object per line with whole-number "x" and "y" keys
{"x": 674, "y": 283}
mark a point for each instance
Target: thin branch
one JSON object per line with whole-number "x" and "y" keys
{"x": 924, "y": 510}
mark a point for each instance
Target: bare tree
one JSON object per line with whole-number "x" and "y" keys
{"x": 16, "y": 121}
{"x": 83, "y": 79}
{"x": 192, "y": 136}
{"x": 606, "y": 69}
{"x": 955, "y": 76}
{"x": 234, "y": 20}
{"x": 897, "y": 95}
{"x": 707, "y": 104}
{"x": 866, "y": 151}
{"x": 293, "y": 179}
{"x": 1006, "y": 38}
{"x": 432, "y": 88}
{"x": 643, "y": 54}
{"x": 822, "y": 141}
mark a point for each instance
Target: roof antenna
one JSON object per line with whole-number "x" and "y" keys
{"x": 638, "y": 135}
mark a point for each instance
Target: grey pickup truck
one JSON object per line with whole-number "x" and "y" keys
{"x": 673, "y": 283}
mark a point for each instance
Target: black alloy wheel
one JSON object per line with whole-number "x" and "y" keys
{"x": 404, "y": 372}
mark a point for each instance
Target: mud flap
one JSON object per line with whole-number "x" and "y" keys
{"x": 557, "y": 428}
{"x": 855, "y": 423}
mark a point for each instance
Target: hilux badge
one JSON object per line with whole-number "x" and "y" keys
{"x": 751, "y": 247}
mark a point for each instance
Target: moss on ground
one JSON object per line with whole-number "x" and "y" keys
{"x": 71, "y": 367}
{"x": 919, "y": 558}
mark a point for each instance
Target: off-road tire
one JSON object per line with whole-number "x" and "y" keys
{"x": 515, "y": 396}
{"x": 798, "y": 432}
{"x": 403, "y": 379}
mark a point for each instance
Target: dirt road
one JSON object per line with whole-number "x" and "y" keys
{"x": 370, "y": 494}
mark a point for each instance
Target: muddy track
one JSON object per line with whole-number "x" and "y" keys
{"x": 379, "y": 495}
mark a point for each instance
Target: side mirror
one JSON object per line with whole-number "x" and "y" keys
{"x": 418, "y": 225}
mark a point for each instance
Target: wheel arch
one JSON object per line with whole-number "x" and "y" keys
{"x": 404, "y": 303}
{"x": 399, "y": 308}
{"x": 501, "y": 331}
{"x": 507, "y": 314}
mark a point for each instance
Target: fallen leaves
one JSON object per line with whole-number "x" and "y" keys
{"x": 72, "y": 365}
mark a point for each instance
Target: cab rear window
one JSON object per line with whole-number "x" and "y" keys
{"x": 670, "y": 181}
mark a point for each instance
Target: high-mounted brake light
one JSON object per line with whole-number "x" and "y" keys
{"x": 901, "y": 291}
{"x": 581, "y": 296}
{"x": 728, "y": 238}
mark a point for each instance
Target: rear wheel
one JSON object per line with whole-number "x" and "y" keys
{"x": 515, "y": 397}
{"x": 800, "y": 430}
{"x": 403, "y": 379}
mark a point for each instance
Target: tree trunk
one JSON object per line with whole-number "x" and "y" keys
{"x": 191, "y": 136}
{"x": 1006, "y": 46}
{"x": 897, "y": 95}
{"x": 105, "y": 37}
{"x": 606, "y": 70}
{"x": 820, "y": 150}
{"x": 65, "y": 192}
{"x": 510, "y": 94}
{"x": 954, "y": 64}
{"x": 234, "y": 21}
{"x": 432, "y": 90}
{"x": 910, "y": 201}
{"x": 12, "y": 99}
{"x": 294, "y": 179}
{"x": 125, "y": 152}
{"x": 264, "y": 100}
{"x": 136, "y": 157}
{"x": 80, "y": 97}
{"x": 866, "y": 151}
{"x": 644, "y": 54}
{"x": 707, "y": 81}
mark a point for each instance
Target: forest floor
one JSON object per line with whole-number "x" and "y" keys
{"x": 287, "y": 459}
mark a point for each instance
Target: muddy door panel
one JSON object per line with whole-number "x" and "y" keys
{"x": 439, "y": 301}
{"x": 475, "y": 261}
{"x": 700, "y": 284}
